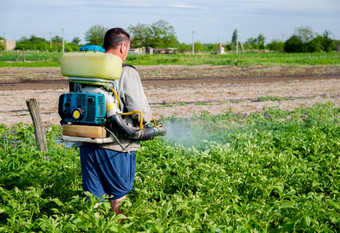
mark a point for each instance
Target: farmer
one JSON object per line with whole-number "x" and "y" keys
{"x": 110, "y": 168}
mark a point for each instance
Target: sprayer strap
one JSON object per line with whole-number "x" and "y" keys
{"x": 124, "y": 65}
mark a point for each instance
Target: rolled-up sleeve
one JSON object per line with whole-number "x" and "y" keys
{"x": 132, "y": 94}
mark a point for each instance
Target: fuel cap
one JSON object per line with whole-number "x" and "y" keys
{"x": 77, "y": 114}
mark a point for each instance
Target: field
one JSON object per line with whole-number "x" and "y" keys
{"x": 271, "y": 172}
{"x": 52, "y": 59}
{"x": 250, "y": 148}
{"x": 183, "y": 91}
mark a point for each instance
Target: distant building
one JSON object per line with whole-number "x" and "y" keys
{"x": 137, "y": 50}
{"x": 8, "y": 44}
{"x": 220, "y": 49}
{"x": 162, "y": 51}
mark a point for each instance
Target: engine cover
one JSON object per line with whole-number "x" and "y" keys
{"x": 82, "y": 108}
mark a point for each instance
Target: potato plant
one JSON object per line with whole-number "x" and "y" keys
{"x": 272, "y": 172}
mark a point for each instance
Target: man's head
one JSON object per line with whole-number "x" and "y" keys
{"x": 117, "y": 42}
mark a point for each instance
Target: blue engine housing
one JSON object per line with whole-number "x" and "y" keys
{"x": 82, "y": 108}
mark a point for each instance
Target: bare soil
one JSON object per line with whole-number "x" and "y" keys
{"x": 182, "y": 90}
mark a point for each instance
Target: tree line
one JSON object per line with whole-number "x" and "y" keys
{"x": 161, "y": 34}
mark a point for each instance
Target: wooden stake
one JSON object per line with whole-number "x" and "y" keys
{"x": 39, "y": 131}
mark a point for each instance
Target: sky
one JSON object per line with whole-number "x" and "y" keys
{"x": 212, "y": 21}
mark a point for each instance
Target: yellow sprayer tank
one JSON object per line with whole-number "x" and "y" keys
{"x": 91, "y": 65}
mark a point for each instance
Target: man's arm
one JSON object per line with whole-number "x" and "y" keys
{"x": 132, "y": 93}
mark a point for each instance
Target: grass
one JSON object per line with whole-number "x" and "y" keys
{"x": 41, "y": 59}
{"x": 271, "y": 98}
{"x": 32, "y": 59}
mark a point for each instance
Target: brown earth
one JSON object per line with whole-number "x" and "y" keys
{"x": 183, "y": 90}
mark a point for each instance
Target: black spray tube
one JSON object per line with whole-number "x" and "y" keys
{"x": 147, "y": 133}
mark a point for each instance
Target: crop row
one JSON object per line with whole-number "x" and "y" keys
{"x": 271, "y": 172}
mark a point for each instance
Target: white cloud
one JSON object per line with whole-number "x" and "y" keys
{"x": 187, "y": 6}
{"x": 209, "y": 17}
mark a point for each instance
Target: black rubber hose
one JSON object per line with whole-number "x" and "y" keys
{"x": 147, "y": 133}
{"x": 119, "y": 124}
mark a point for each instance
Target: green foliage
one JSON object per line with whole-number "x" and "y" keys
{"x": 271, "y": 98}
{"x": 306, "y": 42}
{"x": 255, "y": 43}
{"x": 271, "y": 172}
{"x": 95, "y": 35}
{"x": 34, "y": 58}
{"x": 275, "y": 45}
{"x": 41, "y": 44}
{"x": 50, "y": 59}
{"x": 57, "y": 39}
{"x": 315, "y": 45}
{"x": 305, "y": 34}
{"x": 198, "y": 47}
{"x": 76, "y": 40}
{"x": 234, "y": 37}
{"x": 184, "y": 48}
{"x": 293, "y": 45}
{"x": 160, "y": 34}
{"x": 246, "y": 59}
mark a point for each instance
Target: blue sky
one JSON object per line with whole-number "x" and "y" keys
{"x": 212, "y": 20}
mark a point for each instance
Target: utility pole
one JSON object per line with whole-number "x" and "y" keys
{"x": 193, "y": 42}
{"x": 238, "y": 40}
{"x": 63, "y": 41}
{"x": 5, "y": 44}
{"x": 50, "y": 40}
{"x": 237, "y": 43}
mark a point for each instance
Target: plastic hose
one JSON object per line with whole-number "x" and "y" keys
{"x": 141, "y": 117}
{"x": 115, "y": 93}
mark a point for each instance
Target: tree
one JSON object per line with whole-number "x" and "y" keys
{"x": 199, "y": 47}
{"x": 275, "y": 45}
{"x": 34, "y": 42}
{"x": 181, "y": 48}
{"x": 261, "y": 39}
{"x": 95, "y": 35}
{"x": 37, "y": 39}
{"x": 328, "y": 43}
{"x": 140, "y": 35}
{"x": 305, "y": 34}
{"x": 160, "y": 34}
{"x": 294, "y": 44}
{"x": 37, "y": 43}
{"x": 315, "y": 45}
{"x": 57, "y": 39}
{"x": 251, "y": 43}
{"x": 76, "y": 40}
{"x": 234, "y": 37}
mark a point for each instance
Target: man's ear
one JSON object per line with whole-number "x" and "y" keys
{"x": 121, "y": 48}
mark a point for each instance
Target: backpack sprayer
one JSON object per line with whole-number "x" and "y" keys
{"x": 92, "y": 103}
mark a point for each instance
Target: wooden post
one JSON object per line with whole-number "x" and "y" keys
{"x": 23, "y": 54}
{"x": 39, "y": 131}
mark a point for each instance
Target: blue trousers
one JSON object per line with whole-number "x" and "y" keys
{"x": 107, "y": 171}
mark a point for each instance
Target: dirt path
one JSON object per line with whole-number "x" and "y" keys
{"x": 182, "y": 90}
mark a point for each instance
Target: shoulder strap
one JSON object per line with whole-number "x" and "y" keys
{"x": 124, "y": 65}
